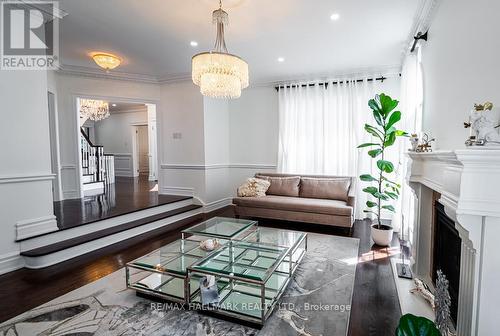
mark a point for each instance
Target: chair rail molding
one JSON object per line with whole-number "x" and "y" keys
{"x": 468, "y": 181}
{"x": 217, "y": 166}
{"x": 36, "y": 226}
{"x": 26, "y": 178}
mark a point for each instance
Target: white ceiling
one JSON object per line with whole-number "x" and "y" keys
{"x": 153, "y": 36}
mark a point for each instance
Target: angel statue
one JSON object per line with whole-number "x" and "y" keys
{"x": 484, "y": 123}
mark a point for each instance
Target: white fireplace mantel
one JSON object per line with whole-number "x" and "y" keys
{"x": 469, "y": 183}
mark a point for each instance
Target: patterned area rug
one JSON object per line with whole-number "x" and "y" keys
{"x": 316, "y": 302}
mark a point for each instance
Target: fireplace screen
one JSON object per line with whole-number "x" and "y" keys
{"x": 447, "y": 249}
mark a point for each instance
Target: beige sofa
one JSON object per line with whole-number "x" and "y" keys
{"x": 315, "y": 199}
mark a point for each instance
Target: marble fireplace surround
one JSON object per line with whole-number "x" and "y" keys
{"x": 469, "y": 183}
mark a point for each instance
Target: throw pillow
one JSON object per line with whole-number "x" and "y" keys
{"x": 282, "y": 186}
{"x": 253, "y": 187}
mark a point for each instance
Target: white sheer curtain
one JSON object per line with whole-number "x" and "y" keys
{"x": 411, "y": 105}
{"x": 320, "y": 128}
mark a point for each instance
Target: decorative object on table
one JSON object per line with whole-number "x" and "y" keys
{"x": 209, "y": 244}
{"x": 483, "y": 126}
{"x": 414, "y": 142}
{"x": 443, "y": 303}
{"x": 254, "y": 187}
{"x": 384, "y": 134}
{"x": 411, "y": 325}
{"x": 422, "y": 289}
{"x": 403, "y": 269}
{"x": 159, "y": 267}
{"x": 425, "y": 146}
{"x": 208, "y": 290}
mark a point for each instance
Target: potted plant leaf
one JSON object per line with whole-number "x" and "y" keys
{"x": 382, "y": 188}
{"x": 411, "y": 325}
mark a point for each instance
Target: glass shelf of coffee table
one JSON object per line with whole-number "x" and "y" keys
{"x": 221, "y": 228}
{"x": 254, "y": 275}
{"x": 163, "y": 272}
{"x": 295, "y": 240}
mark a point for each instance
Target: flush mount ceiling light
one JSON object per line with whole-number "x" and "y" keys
{"x": 94, "y": 109}
{"x": 218, "y": 73}
{"x": 106, "y": 61}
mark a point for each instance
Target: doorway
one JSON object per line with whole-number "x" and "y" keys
{"x": 141, "y": 150}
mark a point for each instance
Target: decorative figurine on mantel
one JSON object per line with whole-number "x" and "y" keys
{"x": 483, "y": 124}
{"x": 422, "y": 146}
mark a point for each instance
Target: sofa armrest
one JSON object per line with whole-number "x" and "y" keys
{"x": 351, "y": 198}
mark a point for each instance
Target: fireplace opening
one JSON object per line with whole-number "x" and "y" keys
{"x": 447, "y": 250}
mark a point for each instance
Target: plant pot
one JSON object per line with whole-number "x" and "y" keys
{"x": 382, "y": 236}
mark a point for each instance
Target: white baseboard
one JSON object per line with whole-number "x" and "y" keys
{"x": 10, "y": 262}
{"x": 209, "y": 207}
{"x": 180, "y": 191}
{"x": 70, "y": 194}
{"x": 34, "y": 227}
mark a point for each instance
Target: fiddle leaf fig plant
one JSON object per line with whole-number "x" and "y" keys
{"x": 384, "y": 133}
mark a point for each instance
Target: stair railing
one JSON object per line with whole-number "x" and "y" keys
{"x": 97, "y": 164}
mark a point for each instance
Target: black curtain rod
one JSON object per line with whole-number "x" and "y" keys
{"x": 382, "y": 78}
{"x": 420, "y": 36}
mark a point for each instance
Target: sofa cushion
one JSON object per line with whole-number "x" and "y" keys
{"x": 300, "y": 204}
{"x": 253, "y": 187}
{"x": 325, "y": 188}
{"x": 282, "y": 186}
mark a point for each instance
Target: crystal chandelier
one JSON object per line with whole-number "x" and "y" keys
{"x": 94, "y": 109}
{"x": 218, "y": 73}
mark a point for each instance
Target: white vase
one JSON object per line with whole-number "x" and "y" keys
{"x": 382, "y": 236}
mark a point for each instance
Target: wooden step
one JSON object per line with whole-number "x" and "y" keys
{"x": 65, "y": 244}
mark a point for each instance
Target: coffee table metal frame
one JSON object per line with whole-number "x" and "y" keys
{"x": 266, "y": 309}
{"x": 238, "y": 241}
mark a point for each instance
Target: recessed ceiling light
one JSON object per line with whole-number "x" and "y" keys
{"x": 335, "y": 16}
{"x": 114, "y": 105}
{"x": 281, "y": 59}
{"x": 193, "y": 44}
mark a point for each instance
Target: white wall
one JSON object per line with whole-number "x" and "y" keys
{"x": 253, "y": 120}
{"x": 114, "y": 133}
{"x": 25, "y": 174}
{"x": 181, "y": 140}
{"x": 222, "y": 142}
{"x": 68, "y": 88}
{"x": 461, "y": 67}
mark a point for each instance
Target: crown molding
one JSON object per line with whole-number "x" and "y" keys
{"x": 422, "y": 20}
{"x": 182, "y": 77}
{"x": 386, "y": 70}
{"x": 75, "y": 70}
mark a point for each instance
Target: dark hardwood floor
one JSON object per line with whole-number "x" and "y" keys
{"x": 126, "y": 195}
{"x": 375, "y": 308}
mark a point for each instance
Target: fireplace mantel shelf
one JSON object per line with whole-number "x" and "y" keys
{"x": 468, "y": 181}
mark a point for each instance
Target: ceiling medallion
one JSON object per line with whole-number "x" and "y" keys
{"x": 94, "y": 109}
{"x": 218, "y": 73}
{"x": 106, "y": 61}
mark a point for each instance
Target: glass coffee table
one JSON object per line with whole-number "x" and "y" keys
{"x": 252, "y": 267}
